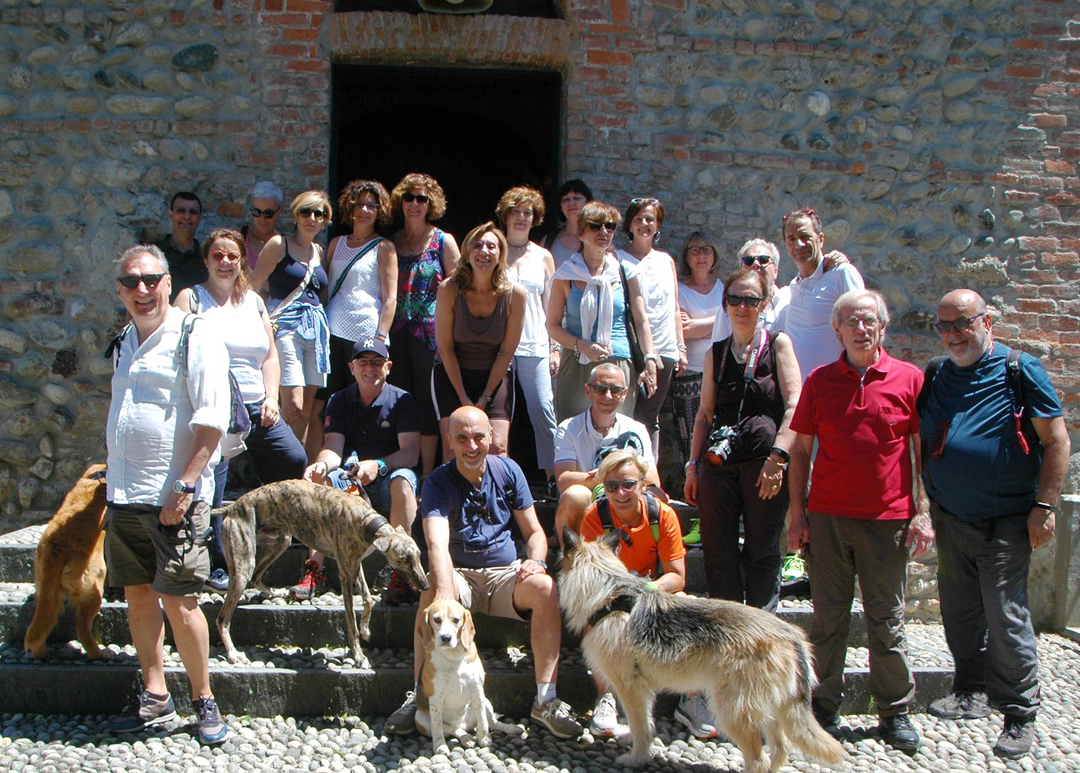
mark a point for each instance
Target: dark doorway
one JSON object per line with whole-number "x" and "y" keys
{"x": 478, "y": 132}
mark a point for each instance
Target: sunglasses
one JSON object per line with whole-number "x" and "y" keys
{"x": 609, "y": 226}
{"x": 267, "y": 213}
{"x": 409, "y": 198}
{"x": 603, "y": 389}
{"x": 751, "y": 301}
{"x": 187, "y": 211}
{"x": 222, "y": 255}
{"x": 761, "y": 260}
{"x": 960, "y": 324}
{"x": 306, "y": 212}
{"x": 807, "y": 213}
{"x": 654, "y": 202}
{"x": 613, "y": 486}
{"x": 131, "y": 281}
{"x": 476, "y": 505}
{"x": 369, "y": 206}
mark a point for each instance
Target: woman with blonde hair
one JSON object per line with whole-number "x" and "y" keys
{"x": 479, "y": 315}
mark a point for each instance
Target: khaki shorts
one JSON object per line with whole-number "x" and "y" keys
{"x": 490, "y": 591}
{"x": 140, "y": 550}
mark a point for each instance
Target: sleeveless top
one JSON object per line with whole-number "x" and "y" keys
{"x": 241, "y": 329}
{"x": 534, "y": 337}
{"x": 659, "y": 287}
{"x": 353, "y": 312}
{"x": 620, "y": 344}
{"x": 477, "y": 339}
{"x": 288, "y": 273}
{"x": 763, "y": 409}
{"x": 418, "y": 284}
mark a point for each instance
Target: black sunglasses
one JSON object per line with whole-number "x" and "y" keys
{"x": 131, "y": 281}
{"x": 751, "y": 301}
{"x": 611, "y": 226}
{"x": 409, "y": 198}
{"x": 761, "y": 260}
{"x": 476, "y": 505}
{"x": 603, "y": 389}
{"x": 320, "y": 214}
{"x": 267, "y": 213}
{"x": 959, "y": 324}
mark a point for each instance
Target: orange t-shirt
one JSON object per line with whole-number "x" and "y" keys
{"x": 642, "y": 555}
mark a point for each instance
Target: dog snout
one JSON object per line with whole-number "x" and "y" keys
{"x": 445, "y": 638}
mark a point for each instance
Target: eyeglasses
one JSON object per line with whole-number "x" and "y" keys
{"x": 369, "y": 206}
{"x": 808, "y": 213}
{"x": 700, "y": 250}
{"x": 306, "y": 212}
{"x": 853, "y": 323}
{"x": 751, "y": 301}
{"x": 960, "y": 324}
{"x": 131, "y": 281}
{"x": 761, "y": 260}
{"x": 603, "y": 389}
{"x": 609, "y": 226}
{"x": 613, "y": 486}
{"x": 187, "y": 211}
{"x": 365, "y": 362}
{"x": 409, "y": 198}
{"x": 267, "y": 213}
{"x": 654, "y": 202}
{"x": 222, "y": 255}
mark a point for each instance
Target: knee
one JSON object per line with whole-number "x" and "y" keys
{"x": 572, "y": 505}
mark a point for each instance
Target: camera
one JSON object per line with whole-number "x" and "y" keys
{"x": 723, "y": 442}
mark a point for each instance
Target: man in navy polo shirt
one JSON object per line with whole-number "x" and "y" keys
{"x": 380, "y": 424}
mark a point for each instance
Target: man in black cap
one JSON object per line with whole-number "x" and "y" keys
{"x": 379, "y": 425}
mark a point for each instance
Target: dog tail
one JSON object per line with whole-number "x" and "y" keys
{"x": 806, "y": 734}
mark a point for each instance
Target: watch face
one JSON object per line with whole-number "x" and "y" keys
{"x": 180, "y": 488}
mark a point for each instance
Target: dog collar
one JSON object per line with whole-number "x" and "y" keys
{"x": 617, "y": 604}
{"x": 371, "y": 528}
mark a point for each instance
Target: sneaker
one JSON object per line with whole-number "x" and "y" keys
{"x": 1016, "y": 737}
{"x": 398, "y": 591}
{"x": 403, "y": 721}
{"x": 829, "y": 720}
{"x": 144, "y": 710}
{"x": 898, "y": 732}
{"x": 218, "y": 580}
{"x": 556, "y": 717}
{"x": 551, "y": 489}
{"x": 694, "y": 713}
{"x": 605, "y": 717}
{"x": 693, "y": 537}
{"x": 212, "y": 731}
{"x": 961, "y": 705}
{"x": 310, "y": 580}
{"x": 794, "y": 568}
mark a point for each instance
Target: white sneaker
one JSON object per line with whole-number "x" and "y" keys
{"x": 605, "y": 717}
{"x": 694, "y": 713}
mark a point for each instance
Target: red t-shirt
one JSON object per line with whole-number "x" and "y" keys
{"x": 862, "y": 423}
{"x": 641, "y": 556}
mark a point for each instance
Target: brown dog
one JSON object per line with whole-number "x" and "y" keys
{"x": 70, "y": 561}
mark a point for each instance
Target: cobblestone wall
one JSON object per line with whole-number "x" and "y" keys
{"x": 938, "y": 140}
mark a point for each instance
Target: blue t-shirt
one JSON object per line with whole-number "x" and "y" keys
{"x": 371, "y": 431}
{"x": 983, "y": 472}
{"x": 481, "y": 520}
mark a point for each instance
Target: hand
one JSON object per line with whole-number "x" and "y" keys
{"x": 690, "y": 488}
{"x": 175, "y": 507}
{"x": 269, "y": 412}
{"x": 798, "y": 535}
{"x": 366, "y": 472}
{"x": 648, "y": 378}
{"x": 528, "y": 568}
{"x": 316, "y": 471}
{"x": 833, "y": 259}
{"x": 1041, "y": 525}
{"x": 769, "y": 479}
{"x": 684, "y": 318}
{"x": 594, "y": 352}
{"x": 554, "y": 360}
{"x": 920, "y": 535}
{"x": 682, "y": 364}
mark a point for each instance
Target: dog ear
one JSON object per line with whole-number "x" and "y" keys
{"x": 611, "y": 540}
{"x": 382, "y": 544}
{"x": 468, "y": 630}
{"x": 570, "y": 538}
{"x": 424, "y": 628}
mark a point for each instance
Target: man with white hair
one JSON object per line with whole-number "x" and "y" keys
{"x": 763, "y": 257}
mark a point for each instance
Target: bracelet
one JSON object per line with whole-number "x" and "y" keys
{"x": 781, "y": 453}
{"x": 325, "y": 464}
{"x": 486, "y": 398}
{"x": 652, "y": 357}
{"x": 682, "y": 348}
{"x": 1044, "y": 506}
{"x": 691, "y": 465}
{"x": 381, "y": 335}
{"x": 576, "y": 350}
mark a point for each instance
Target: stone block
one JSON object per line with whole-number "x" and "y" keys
{"x": 134, "y": 104}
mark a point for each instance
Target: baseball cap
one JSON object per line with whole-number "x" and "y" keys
{"x": 373, "y": 345}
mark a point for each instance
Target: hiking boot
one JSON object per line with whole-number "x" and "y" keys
{"x": 403, "y": 721}
{"x": 143, "y": 711}
{"x": 694, "y": 713}
{"x": 218, "y": 580}
{"x": 556, "y": 717}
{"x": 961, "y": 705}
{"x": 693, "y": 537}
{"x": 898, "y": 732}
{"x": 829, "y": 720}
{"x": 1016, "y": 737}
{"x": 398, "y": 591}
{"x": 605, "y": 717}
{"x": 310, "y": 580}
{"x": 212, "y": 731}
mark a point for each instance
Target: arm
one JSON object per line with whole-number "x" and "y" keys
{"x": 271, "y": 255}
{"x": 673, "y": 578}
{"x": 1055, "y": 463}
{"x": 560, "y": 291}
{"x": 203, "y": 444}
{"x": 567, "y": 474}
{"x": 536, "y": 546}
{"x": 920, "y": 534}
{"x": 790, "y": 381}
{"x": 514, "y": 325}
{"x": 437, "y": 535}
{"x": 183, "y": 300}
{"x": 555, "y": 352}
{"x": 798, "y": 475}
{"x": 699, "y": 327}
{"x": 407, "y": 455}
{"x": 680, "y": 340}
{"x": 703, "y": 422}
{"x": 271, "y": 373}
{"x": 329, "y": 458}
{"x": 451, "y": 254}
{"x": 640, "y": 320}
{"x": 388, "y": 281}
{"x": 444, "y": 337}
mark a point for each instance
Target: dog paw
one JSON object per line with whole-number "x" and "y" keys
{"x": 442, "y": 749}
{"x": 483, "y": 740}
{"x": 237, "y": 658}
{"x": 631, "y": 760}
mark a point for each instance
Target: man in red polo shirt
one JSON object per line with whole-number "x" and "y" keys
{"x": 861, "y": 517}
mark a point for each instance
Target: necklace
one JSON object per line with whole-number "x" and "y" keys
{"x": 598, "y": 428}
{"x": 411, "y": 247}
{"x": 521, "y": 246}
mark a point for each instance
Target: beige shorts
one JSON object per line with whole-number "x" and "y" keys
{"x": 140, "y": 550}
{"x": 490, "y": 591}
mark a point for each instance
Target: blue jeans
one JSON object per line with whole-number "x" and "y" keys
{"x": 535, "y": 377}
{"x": 378, "y": 491}
{"x": 982, "y": 583}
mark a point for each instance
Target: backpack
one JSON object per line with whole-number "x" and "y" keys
{"x": 652, "y": 511}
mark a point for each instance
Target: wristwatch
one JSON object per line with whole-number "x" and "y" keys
{"x": 383, "y": 469}
{"x": 179, "y": 487}
{"x": 542, "y": 563}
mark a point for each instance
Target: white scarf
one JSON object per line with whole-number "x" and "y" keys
{"x": 597, "y": 304}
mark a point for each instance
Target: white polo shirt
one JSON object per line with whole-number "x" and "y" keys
{"x": 577, "y": 441}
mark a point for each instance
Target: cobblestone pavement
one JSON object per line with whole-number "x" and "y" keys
{"x": 55, "y": 744}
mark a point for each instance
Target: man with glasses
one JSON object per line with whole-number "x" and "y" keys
{"x": 163, "y": 431}
{"x": 863, "y": 512}
{"x": 763, "y": 257}
{"x": 582, "y": 441}
{"x": 469, "y": 508}
{"x": 186, "y": 265}
{"x": 374, "y": 429}
{"x": 996, "y": 455}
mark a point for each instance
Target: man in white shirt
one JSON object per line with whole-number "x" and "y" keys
{"x": 169, "y": 410}
{"x": 764, "y": 258}
{"x": 581, "y": 442}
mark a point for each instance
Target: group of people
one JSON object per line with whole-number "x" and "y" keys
{"x": 791, "y": 412}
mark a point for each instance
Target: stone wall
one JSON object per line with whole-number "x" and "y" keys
{"x": 938, "y": 140}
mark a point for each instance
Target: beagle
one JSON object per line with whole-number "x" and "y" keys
{"x": 450, "y": 697}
